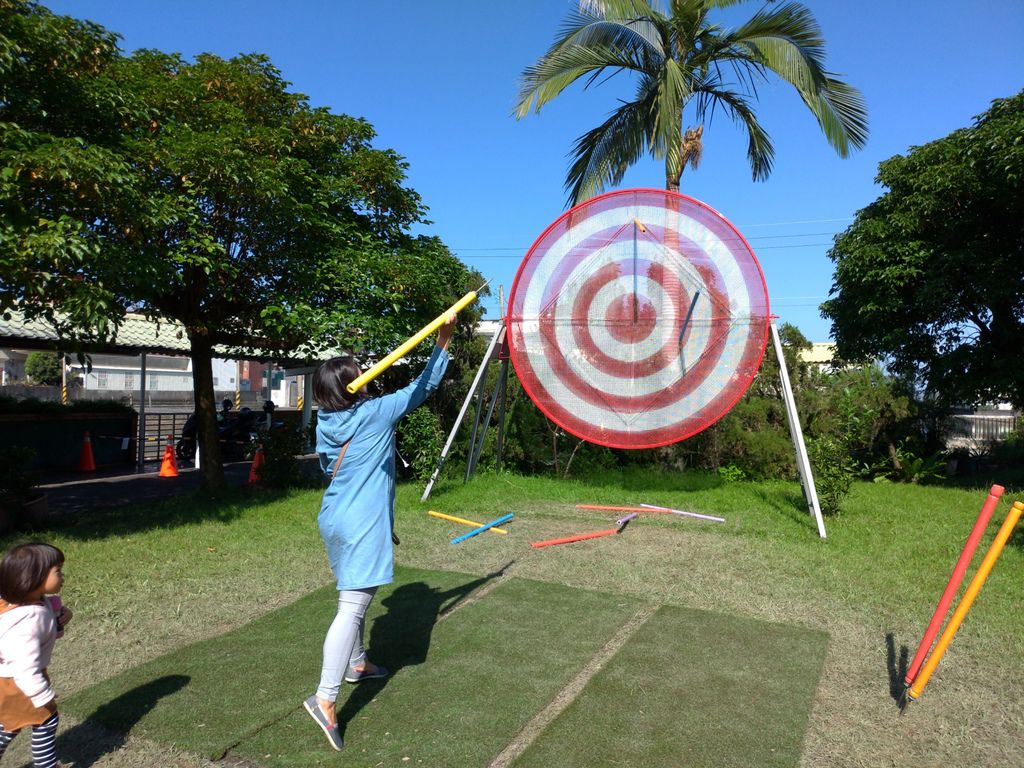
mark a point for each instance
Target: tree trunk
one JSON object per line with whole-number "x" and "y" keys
{"x": 691, "y": 149}
{"x": 210, "y": 463}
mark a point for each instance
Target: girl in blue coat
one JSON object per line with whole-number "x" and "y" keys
{"x": 355, "y": 438}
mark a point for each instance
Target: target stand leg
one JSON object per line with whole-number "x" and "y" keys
{"x": 482, "y": 436}
{"x": 793, "y": 418}
{"x": 499, "y": 333}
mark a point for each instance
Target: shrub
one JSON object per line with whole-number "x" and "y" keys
{"x": 833, "y": 472}
{"x": 43, "y": 368}
{"x": 420, "y": 441}
{"x": 15, "y": 478}
{"x": 281, "y": 449}
{"x": 33, "y": 405}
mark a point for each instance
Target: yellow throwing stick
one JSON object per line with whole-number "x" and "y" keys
{"x": 378, "y": 368}
{"x": 965, "y": 602}
{"x": 443, "y": 516}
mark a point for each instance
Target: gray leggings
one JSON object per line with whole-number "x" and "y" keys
{"x": 343, "y": 646}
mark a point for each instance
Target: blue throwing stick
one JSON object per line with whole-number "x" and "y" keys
{"x": 482, "y": 528}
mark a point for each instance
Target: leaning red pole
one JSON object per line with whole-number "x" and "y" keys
{"x": 954, "y": 581}
{"x": 570, "y": 539}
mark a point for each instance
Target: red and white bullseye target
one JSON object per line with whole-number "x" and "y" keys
{"x": 638, "y": 318}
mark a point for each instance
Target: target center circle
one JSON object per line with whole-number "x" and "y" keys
{"x": 630, "y": 320}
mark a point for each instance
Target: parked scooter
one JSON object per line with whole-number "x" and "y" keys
{"x": 237, "y": 434}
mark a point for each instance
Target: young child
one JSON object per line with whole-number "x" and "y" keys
{"x": 356, "y": 442}
{"x": 29, "y": 628}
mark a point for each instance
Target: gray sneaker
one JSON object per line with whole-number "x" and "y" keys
{"x": 331, "y": 731}
{"x": 354, "y": 676}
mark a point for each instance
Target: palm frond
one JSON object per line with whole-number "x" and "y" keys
{"x": 602, "y": 155}
{"x": 760, "y": 152}
{"x": 842, "y": 115}
{"x": 616, "y": 9}
{"x": 688, "y": 67}
{"x": 673, "y": 91}
{"x": 788, "y": 42}
{"x": 632, "y": 43}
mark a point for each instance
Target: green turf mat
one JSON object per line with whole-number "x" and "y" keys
{"x": 210, "y": 695}
{"x": 492, "y": 666}
{"x": 692, "y": 688}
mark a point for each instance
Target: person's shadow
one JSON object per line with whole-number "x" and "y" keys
{"x": 105, "y": 730}
{"x": 897, "y": 669}
{"x": 401, "y": 637}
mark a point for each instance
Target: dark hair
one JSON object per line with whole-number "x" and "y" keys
{"x": 24, "y": 569}
{"x": 330, "y": 381}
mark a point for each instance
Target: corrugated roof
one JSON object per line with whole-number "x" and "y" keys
{"x": 135, "y": 335}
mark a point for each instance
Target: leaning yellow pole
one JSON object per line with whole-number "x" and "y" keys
{"x": 378, "y": 368}
{"x": 965, "y": 603}
{"x": 442, "y": 516}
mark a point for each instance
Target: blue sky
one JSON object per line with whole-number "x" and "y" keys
{"x": 438, "y": 80}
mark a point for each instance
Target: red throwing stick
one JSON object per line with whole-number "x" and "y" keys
{"x": 570, "y": 539}
{"x": 954, "y": 581}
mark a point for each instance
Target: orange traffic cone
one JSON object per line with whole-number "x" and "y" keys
{"x": 255, "y": 475}
{"x": 169, "y": 465}
{"x": 86, "y": 463}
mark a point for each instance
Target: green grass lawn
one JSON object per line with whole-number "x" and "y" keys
{"x": 153, "y": 586}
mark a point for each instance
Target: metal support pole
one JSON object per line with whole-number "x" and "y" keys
{"x": 802, "y": 462}
{"x": 503, "y": 383}
{"x": 474, "y": 456}
{"x": 307, "y": 401}
{"x": 141, "y": 464}
{"x": 479, "y": 395}
{"x": 462, "y": 412}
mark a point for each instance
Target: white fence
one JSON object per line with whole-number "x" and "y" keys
{"x": 980, "y": 428}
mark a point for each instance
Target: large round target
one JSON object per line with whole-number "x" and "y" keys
{"x": 638, "y": 318}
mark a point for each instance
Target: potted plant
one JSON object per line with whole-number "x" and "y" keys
{"x": 20, "y": 501}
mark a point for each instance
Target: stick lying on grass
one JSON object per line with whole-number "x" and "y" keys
{"x": 474, "y": 523}
{"x": 482, "y": 528}
{"x": 651, "y": 508}
{"x": 681, "y": 512}
{"x": 621, "y": 522}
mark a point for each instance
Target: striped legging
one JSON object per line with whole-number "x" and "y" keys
{"x": 44, "y": 737}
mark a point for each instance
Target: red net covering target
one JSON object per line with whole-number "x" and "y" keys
{"x": 638, "y": 318}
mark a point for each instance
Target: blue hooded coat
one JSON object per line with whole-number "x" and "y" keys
{"x": 358, "y": 510}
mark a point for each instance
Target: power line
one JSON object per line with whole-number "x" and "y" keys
{"x": 787, "y": 223}
{"x": 516, "y": 251}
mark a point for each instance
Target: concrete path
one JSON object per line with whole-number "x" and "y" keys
{"x": 105, "y": 489}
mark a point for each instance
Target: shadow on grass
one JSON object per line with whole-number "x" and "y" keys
{"x": 792, "y": 506}
{"x": 648, "y": 481}
{"x": 145, "y": 515}
{"x": 104, "y": 731}
{"x": 401, "y": 637}
{"x": 632, "y": 479}
{"x": 896, "y": 667}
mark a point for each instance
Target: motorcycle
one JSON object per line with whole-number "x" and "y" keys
{"x": 237, "y": 435}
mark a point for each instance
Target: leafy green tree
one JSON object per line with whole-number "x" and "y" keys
{"x": 929, "y": 277}
{"x": 43, "y": 368}
{"x": 686, "y": 67}
{"x": 202, "y": 192}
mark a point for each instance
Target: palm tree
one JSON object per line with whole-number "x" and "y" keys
{"x": 683, "y": 64}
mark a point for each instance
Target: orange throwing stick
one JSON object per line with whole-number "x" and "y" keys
{"x": 965, "y": 603}
{"x": 623, "y": 522}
